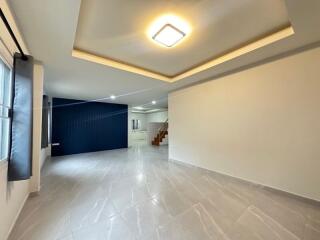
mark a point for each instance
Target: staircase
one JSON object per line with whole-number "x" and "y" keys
{"x": 162, "y": 132}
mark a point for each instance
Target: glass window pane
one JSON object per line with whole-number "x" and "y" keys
{"x": 4, "y": 133}
{"x": 4, "y": 111}
{"x": 7, "y": 86}
{"x": 1, "y": 81}
{"x": 5, "y": 103}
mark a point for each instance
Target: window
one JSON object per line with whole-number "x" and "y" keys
{"x": 5, "y": 106}
{"x": 135, "y": 124}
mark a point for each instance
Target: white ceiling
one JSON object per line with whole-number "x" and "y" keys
{"x": 116, "y": 30}
{"x": 147, "y": 109}
{"x": 49, "y": 28}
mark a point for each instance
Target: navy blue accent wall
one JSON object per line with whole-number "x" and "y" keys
{"x": 80, "y": 126}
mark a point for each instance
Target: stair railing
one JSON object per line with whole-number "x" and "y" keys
{"x": 162, "y": 130}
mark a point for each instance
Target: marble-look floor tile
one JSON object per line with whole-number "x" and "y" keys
{"x": 145, "y": 218}
{"x": 85, "y": 214}
{"x": 111, "y": 229}
{"x": 156, "y": 186}
{"x": 228, "y": 203}
{"x": 253, "y": 222}
{"x": 66, "y": 237}
{"x": 219, "y": 217}
{"x": 125, "y": 197}
{"x": 289, "y": 218}
{"x": 173, "y": 202}
{"x": 194, "y": 223}
{"x": 312, "y": 230}
{"x": 137, "y": 194}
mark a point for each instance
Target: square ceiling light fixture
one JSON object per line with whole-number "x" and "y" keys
{"x": 168, "y": 35}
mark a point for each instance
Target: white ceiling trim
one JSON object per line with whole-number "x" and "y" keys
{"x": 262, "y": 42}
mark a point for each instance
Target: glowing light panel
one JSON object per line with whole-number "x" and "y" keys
{"x": 168, "y": 35}
{"x": 169, "y": 30}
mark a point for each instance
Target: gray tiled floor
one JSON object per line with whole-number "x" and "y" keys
{"x": 137, "y": 194}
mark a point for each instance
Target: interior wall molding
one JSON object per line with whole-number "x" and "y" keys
{"x": 247, "y": 48}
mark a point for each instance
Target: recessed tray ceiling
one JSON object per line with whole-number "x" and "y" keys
{"x": 114, "y": 34}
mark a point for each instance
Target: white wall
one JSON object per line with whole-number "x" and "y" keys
{"x": 139, "y": 134}
{"x": 145, "y": 119}
{"x": 37, "y": 126}
{"x": 12, "y": 194}
{"x": 44, "y": 155}
{"x": 12, "y": 198}
{"x": 261, "y": 124}
{"x": 140, "y": 116}
{"x": 157, "y": 116}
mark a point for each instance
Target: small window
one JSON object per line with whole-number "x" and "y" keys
{"x": 5, "y": 107}
{"x": 135, "y": 124}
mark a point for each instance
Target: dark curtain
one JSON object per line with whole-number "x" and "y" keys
{"x": 45, "y": 121}
{"x": 79, "y": 126}
{"x": 49, "y": 123}
{"x": 20, "y": 160}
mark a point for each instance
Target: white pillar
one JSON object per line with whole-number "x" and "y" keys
{"x": 37, "y": 126}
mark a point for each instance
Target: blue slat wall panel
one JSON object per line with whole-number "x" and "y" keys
{"x": 80, "y": 126}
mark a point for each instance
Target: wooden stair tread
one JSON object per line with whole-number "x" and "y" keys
{"x": 160, "y": 136}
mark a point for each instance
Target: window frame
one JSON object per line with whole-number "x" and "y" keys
{"x": 9, "y": 65}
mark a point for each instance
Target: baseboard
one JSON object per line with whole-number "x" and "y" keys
{"x": 17, "y": 216}
{"x": 273, "y": 189}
